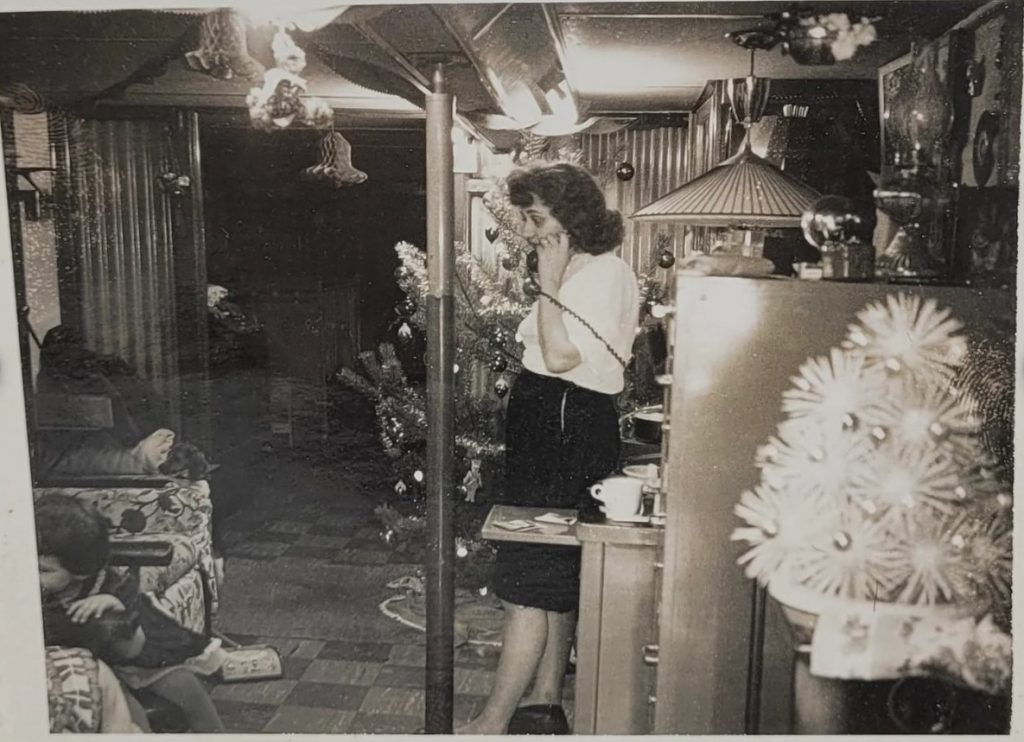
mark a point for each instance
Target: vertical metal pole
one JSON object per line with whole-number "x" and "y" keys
{"x": 440, "y": 408}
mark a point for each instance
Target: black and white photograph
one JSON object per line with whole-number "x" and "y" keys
{"x": 489, "y": 368}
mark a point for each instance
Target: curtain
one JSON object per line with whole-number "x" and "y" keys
{"x": 121, "y": 232}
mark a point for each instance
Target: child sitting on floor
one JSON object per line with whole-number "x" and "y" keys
{"x": 86, "y": 604}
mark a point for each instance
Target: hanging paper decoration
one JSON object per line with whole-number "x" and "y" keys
{"x": 282, "y": 98}
{"x": 335, "y": 166}
{"x": 223, "y": 50}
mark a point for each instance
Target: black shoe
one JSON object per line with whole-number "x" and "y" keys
{"x": 545, "y": 718}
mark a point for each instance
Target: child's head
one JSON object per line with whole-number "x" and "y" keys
{"x": 71, "y": 540}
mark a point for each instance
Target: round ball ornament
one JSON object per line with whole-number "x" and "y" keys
{"x": 501, "y": 387}
{"x": 406, "y": 308}
{"x": 510, "y": 262}
{"x": 531, "y": 288}
{"x": 498, "y": 363}
{"x": 625, "y": 171}
{"x": 666, "y": 259}
{"x": 499, "y": 335}
{"x": 838, "y": 219}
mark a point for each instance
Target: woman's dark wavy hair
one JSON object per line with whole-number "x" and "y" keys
{"x": 575, "y": 201}
{"x": 72, "y": 531}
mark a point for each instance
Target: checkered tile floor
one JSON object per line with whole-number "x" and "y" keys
{"x": 307, "y": 580}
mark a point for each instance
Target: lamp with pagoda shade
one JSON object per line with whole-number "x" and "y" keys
{"x": 745, "y": 191}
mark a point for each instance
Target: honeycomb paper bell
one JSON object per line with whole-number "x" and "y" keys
{"x": 335, "y": 166}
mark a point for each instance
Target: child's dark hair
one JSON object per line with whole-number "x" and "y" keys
{"x": 73, "y": 532}
{"x": 574, "y": 199}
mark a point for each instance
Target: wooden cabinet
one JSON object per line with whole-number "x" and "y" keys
{"x": 614, "y": 679}
{"x": 615, "y": 655}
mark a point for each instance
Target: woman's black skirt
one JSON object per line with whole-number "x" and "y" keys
{"x": 560, "y": 438}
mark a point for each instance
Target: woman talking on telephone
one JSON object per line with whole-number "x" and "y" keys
{"x": 562, "y": 431}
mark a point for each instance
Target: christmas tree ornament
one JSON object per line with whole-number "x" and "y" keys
{"x": 400, "y": 487}
{"x": 837, "y": 220}
{"x": 418, "y": 475}
{"x": 532, "y": 261}
{"x": 404, "y": 331}
{"x": 498, "y": 363}
{"x": 335, "y": 166}
{"x": 501, "y": 387}
{"x": 666, "y": 259}
{"x": 405, "y": 308}
{"x": 510, "y": 262}
{"x": 473, "y": 480}
{"x": 491, "y": 233}
{"x": 223, "y": 47}
{"x": 625, "y": 171}
{"x": 530, "y": 287}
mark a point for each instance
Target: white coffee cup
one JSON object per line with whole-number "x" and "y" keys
{"x": 620, "y": 496}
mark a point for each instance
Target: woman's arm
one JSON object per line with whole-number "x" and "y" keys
{"x": 557, "y": 350}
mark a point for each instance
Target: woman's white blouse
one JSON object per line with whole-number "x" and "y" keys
{"x": 603, "y": 290}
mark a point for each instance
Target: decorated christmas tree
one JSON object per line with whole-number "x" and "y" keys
{"x": 890, "y": 478}
{"x": 494, "y": 289}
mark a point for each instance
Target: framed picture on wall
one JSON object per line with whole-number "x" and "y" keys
{"x": 986, "y": 237}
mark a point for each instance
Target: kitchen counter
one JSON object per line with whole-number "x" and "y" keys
{"x": 618, "y": 587}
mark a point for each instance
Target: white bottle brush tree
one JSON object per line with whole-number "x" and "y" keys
{"x": 880, "y": 484}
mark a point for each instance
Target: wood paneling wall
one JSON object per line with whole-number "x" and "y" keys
{"x": 660, "y": 158}
{"x": 121, "y": 231}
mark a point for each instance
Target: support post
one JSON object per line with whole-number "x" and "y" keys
{"x": 440, "y": 311}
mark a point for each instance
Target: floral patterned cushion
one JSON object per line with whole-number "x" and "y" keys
{"x": 73, "y": 690}
{"x": 184, "y": 602}
{"x": 180, "y": 513}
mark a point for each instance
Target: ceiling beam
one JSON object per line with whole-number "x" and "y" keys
{"x": 483, "y": 29}
{"x": 414, "y": 76}
{"x": 555, "y": 30}
{"x": 469, "y": 51}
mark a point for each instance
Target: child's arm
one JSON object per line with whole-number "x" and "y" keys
{"x": 122, "y": 642}
{"x": 94, "y": 606}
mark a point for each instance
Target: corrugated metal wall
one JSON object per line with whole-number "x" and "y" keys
{"x": 660, "y": 159}
{"x": 122, "y": 232}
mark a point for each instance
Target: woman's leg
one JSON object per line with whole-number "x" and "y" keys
{"x": 524, "y": 638}
{"x": 186, "y": 691}
{"x": 550, "y": 677}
